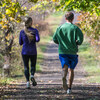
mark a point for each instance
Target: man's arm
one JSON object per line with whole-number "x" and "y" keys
{"x": 79, "y": 37}
{"x": 55, "y": 37}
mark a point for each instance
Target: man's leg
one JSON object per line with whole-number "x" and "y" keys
{"x": 64, "y": 74}
{"x": 71, "y": 77}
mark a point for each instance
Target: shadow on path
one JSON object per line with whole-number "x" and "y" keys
{"x": 50, "y": 92}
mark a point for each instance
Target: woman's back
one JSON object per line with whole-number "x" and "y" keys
{"x": 29, "y": 47}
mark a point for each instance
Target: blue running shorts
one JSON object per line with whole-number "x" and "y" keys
{"x": 69, "y": 60}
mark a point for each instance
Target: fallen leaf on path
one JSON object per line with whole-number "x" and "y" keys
{"x": 73, "y": 97}
{"x": 41, "y": 80}
{"x": 50, "y": 81}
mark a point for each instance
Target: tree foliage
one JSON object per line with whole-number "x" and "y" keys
{"x": 90, "y": 24}
{"x": 11, "y": 12}
{"x": 92, "y": 6}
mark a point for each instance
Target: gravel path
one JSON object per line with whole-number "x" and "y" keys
{"x": 50, "y": 85}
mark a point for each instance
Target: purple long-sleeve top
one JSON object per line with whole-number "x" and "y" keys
{"x": 29, "y": 48}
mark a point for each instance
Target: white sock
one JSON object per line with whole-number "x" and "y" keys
{"x": 28, "y": 82}
{"x": 32, "y": 76}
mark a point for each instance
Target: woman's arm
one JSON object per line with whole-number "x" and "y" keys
{"x": 37, "y": 35}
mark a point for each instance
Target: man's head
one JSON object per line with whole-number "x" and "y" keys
{"x": 69, "y": 16}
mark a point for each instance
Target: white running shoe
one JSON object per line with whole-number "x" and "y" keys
{"x": 69, "y": 91}
{"x": 28, "y": 85}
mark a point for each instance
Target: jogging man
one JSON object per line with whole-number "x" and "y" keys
{"x": 68, "y": 36}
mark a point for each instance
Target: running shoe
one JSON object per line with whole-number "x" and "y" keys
{"x": 69, "y": 91}
{"x": 28, "y": 85}
{"x": 34, "y": 83}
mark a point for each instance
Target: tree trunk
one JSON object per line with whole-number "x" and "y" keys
{"x": 7, "y": 57}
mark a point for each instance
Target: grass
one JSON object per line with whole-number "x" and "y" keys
{"x": 5, "y": 81}
{"x": 90, "y": 63}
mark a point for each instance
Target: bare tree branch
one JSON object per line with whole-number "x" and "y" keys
{"x": 24, "y": 3}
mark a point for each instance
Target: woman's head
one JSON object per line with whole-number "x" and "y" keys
{"x": 69, "y": 16}
{"x": 28, "y": 32}
{"x": 28, "y": 22}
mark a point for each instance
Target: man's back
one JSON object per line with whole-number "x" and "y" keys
{"x": 68, "y": 36}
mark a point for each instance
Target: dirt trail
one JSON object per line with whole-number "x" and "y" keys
{"x": 50, "y": 85}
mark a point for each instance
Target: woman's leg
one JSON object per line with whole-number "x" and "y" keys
{"x": 33, "y": 59}
{"x": 26, "y": 66}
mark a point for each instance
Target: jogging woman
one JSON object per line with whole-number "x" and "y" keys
{"x": 28, "y": 38}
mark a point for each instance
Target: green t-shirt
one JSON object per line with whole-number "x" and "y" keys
{"x": 68, "y": 36}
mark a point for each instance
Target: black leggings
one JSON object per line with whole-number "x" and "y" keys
{"x": 26, "y": 59}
